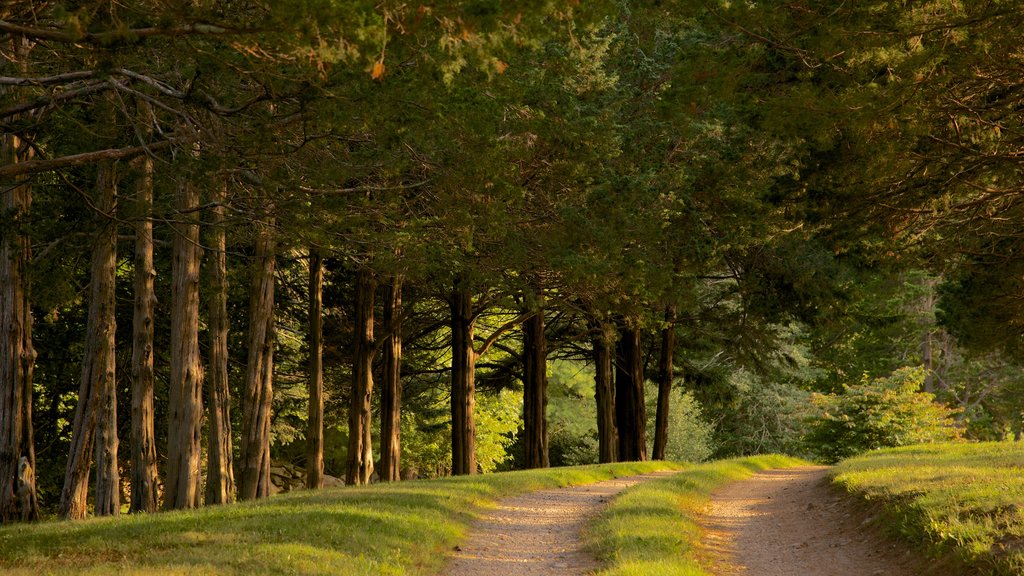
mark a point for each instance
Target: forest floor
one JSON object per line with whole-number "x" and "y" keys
{"x": 791, "y": 521}
{"x": 538, "y": 533}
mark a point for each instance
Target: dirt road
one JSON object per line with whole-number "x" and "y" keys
{"x": 788, "y": 522}
{"x": 538, "y": 533}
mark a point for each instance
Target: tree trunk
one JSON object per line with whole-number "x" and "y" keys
{"x": 108, "y": 480}
{"x": 360, "y": 448}
{"x": 463, "y": 383}
{"x": 665, "y": 374}
{"x": 926, "y": 360}
{"x": 98, "y": 378}
{"x": 315, "y": 421}
{"x": 259, "y": 373}
{"x": 185, "y": 400}
{"x": 630, "y": 413}
{"x": 941, "y": 372}
{"x": 143, "y": 434}
{"x": 604, "y": 391}
{"x": 17, "y": 357}
{"x": 924, "y": 309}
{"x": 391, "y": 387}
{"x": 535, "y": 391}
{"x": 220, "y": 476}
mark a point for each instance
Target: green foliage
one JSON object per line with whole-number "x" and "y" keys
{"x": 572, "y": 428}
{"x": 731, "y": 161}
{"x": 426, "y": 433}
{"x": 877, "y": 413}
{"x": 961, "y": 499}
{"x": 690, "y": 435}
{"x": 760, "y": 416}
{"x": 654, "y": 528}
{"x": 497, "y": 419}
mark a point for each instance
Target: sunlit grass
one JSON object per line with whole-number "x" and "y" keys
{"x": 965, "y": 499}
{"x": 403, "y": 528}
{"x": 652, "y": 529}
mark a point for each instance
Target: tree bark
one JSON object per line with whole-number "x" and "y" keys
{"x": 603, "y": 338}
{"x": 391, "y": 387}
{"x": 315, "y": 421}
{"x": 259, "y": 374}
{"x": 665, "y": 375}
{"x": 463, "y": 395}
{"x": 108, "y": 481}
{"x": 95, "y": 392}
{"x": 360, "y": 448}
{"x": 535, "y": 391}
{"x": 18, "y": 499}
{"x": 926, "y": 360}
{"x": 220, "y": 476}
{"x": 185, "y": 400}
{"x": 50, "y": 164}
{"x": 630, "y": 412}
{"x": 143, "y": 432}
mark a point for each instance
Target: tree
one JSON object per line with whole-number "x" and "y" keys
{"x": 96, "y": 409}
{"x": 360, "y": 445}
{"x": 463, "y": 391}
{"x": 630, "y": 408}
{"x": 185, "y": 399}
{"x": 535, "y": 390}
{"x": 143, "y": 416}
{"x": 17, "y": 356}
{"x": 602, "y": 337}
{"x": 391, "y": 385}
{"x": 220, "y": 476}
{"x": 108, "y": 482}
{"x": 315, "y": 419}
{"x": 666, "y": 375}
{"x": 254, "y": 461}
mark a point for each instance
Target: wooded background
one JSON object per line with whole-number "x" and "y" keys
{"x": 368, "y": 238}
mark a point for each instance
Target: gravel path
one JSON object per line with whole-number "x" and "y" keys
{"x": 537, "y": 533}
{"x": 789, "y": 521}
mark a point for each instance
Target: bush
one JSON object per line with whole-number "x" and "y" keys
{"x": 879, "y": 413}
{"x": 758, "y": 415}
{"x": 689, "y": 432}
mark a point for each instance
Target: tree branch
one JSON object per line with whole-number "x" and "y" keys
{"x": 38, "y": 166}
{"x": 503, "y": 329}
{"x": 98, "y": 86}
{"x": 43, "y": 80}
{"x": 105, "y": 38}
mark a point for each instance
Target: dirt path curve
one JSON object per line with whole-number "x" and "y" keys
{"x": 538, "y": 533}
{"x": 789, "y": 521}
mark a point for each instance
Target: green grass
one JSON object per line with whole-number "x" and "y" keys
{"x": 652, "y": 530}
{"x": 961, "y": 499}
{"x": 403, "y": 528}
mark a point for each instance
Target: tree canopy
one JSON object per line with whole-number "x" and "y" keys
{"x": 252, "y": 231}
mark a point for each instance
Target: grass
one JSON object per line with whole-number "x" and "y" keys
{"x": 961, "y": 499}
{"x": 403, "y": 528}
{"x": 652, "y": 530}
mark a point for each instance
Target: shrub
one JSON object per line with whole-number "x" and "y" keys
{"x": 689, "y": 432}
{"x": 878, "y": 413}
{"x": 758, "y": 415}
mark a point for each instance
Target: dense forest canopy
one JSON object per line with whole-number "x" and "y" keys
{"x": 248, "y": 246}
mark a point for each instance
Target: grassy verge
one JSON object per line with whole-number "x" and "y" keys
{"x": 961, "y": 499}
{"x": 404, "y": 528}
{"x": 652, "y": 529}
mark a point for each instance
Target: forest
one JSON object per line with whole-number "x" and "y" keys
{"x": 248, "y": 247}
